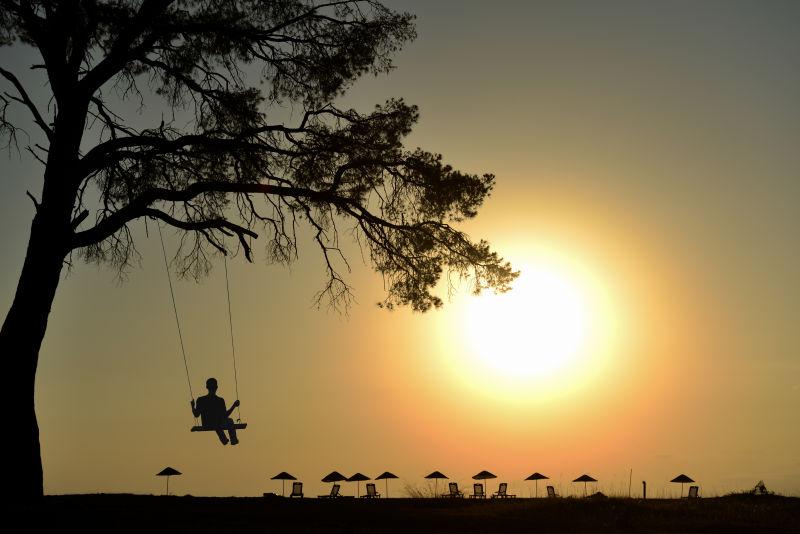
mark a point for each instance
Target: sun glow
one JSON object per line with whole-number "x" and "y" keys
{"x": 550, "y": 331}
{"x": 534, "y": 330}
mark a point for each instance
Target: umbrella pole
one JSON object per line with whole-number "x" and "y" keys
{"x": 168, "y": 485}
{"x": 387, "y": 488}
{"x": 536, "y": 495}
{"x": 283, "y": 488}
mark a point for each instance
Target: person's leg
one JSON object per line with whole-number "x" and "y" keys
{"x": 221, "y": 436}
{"x": 232, "y": 432}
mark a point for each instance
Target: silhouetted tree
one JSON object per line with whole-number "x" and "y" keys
{"x": 225, "y": 158}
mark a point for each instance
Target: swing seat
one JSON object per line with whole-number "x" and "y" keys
{"x": 237, "y": 426}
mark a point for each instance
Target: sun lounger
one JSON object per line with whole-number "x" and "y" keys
{"x": 454, "y": 491}
{"x": 477, "y": 492}
{"x": 693, "y": 492}
{"x": 297, "y": 490}
{"x": 371, "y": 492}
{"x": 333, "y": 494}
{"x": 551, "y": 492}
{"x": 501, "y": 492}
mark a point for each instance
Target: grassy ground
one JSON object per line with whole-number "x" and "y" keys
{"x": 143, "y": 513}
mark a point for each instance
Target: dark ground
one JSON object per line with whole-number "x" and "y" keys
{"x": 145, "y": 514}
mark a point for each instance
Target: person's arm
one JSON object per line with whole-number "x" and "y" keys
{"x": 195, "y": 409}
{"x": 233, "y": 407}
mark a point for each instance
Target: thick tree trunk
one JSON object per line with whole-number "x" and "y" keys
{"x": 25, "y": 325}
{"x": 20, "y": 339}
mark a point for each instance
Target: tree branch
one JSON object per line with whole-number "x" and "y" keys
{"x": 98, "y": 157}
{"x": 139, "y": 206}
{"x": 121, "y": 53}
{"x": 212, "y": 224}
{"x": 25, "y": 99}
{"x": 33, "y": 199}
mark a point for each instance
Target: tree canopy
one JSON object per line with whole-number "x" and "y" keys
{"x": 217, "y": 164}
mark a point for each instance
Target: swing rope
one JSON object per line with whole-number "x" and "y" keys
{"x": 175, "y": 310}
{"x": 233, "y": 345}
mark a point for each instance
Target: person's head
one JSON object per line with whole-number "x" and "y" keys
{"x": 211, "y": 385}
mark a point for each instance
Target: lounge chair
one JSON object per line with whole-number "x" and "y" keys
{"x": 371, "y": 493}
{"x": 454, "y": 492}
{"x": 477, "y": 492}
{"x": 693, "y": 492}
{"x": 501, "y": 492}
{"x": 551, "y": 492}
{"x": 297, "y": 490}
{"x": 333, "y": 494}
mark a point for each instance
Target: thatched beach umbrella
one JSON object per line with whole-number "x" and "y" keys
{"x": 357, "y": 478}
{"x": 537, "y": 477}
{"x": 283, "y": 476}
{"x": 334, "y": 476}
{"x": 484, "y": 475}
{"x": 168, "y": 472}
{"x": 584, "y": 479}
{"x": 683, "y": 479}
{"x": 436, "y": 475}
{"x": 385, "y": 476}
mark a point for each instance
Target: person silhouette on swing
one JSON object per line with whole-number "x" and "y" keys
{"x": 213, "y": 414}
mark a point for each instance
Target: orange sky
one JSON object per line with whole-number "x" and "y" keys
{"x": 645, "y": 155}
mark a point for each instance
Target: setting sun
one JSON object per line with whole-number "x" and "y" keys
{"x": 551, "y": 333}
{"x": 534, "y": 331}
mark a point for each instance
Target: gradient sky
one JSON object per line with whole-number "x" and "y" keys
{"x": 647, "y": 152}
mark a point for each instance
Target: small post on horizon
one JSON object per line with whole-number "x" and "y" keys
{"x": 644, "y": 490}
{"x": 630, "y": 480}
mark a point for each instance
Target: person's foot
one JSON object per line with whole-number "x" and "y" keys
{"x": 234, "y": 441}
